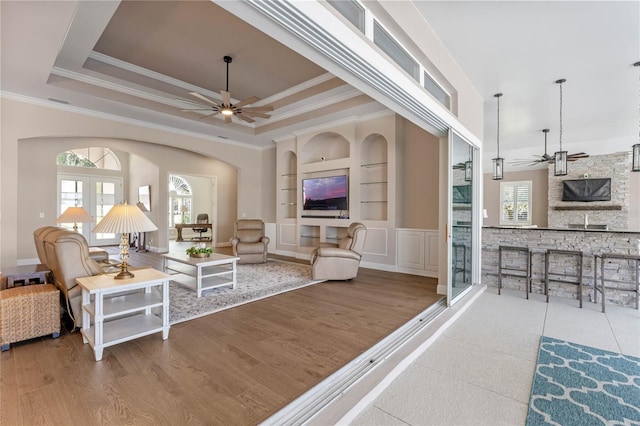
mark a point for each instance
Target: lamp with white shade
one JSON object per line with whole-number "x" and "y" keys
{"x": 124, "y": 219}
{"x": 75, "y": 215}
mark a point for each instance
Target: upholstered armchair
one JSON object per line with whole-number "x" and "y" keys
{"x": 340, "y": 261}
{"x": 66, "y": 254}
{"x": 250, "y": 243}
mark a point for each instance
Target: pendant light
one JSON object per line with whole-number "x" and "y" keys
{"x": 560, "y": 162}
{"x": 468, "y": 167}
{"x": 635, "y": 165}
{"x": 498, "y": 162}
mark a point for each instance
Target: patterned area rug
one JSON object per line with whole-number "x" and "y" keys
{"x": 580, "y": 385}
{"x": 254, "y": 282}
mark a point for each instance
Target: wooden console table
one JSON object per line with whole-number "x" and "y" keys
{"x": 180, "y": 226}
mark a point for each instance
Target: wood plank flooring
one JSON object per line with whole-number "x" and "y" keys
{"x": 235, "y": 367}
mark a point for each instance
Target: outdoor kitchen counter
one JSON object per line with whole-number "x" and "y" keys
{"x": 589, "y": 241}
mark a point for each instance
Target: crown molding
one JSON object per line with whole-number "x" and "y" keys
{"x": 125, "y": 120}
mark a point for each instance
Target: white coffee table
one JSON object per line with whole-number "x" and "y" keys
{"x": 201, "y": 273}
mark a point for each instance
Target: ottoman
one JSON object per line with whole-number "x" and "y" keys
{"x": 27, "y": 312}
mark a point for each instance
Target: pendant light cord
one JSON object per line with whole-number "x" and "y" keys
{"x": 498, "y": 95}
{"x": 562, "y": 80}
{"x": 561, "y": 116}
{"x": 637, "y": 64}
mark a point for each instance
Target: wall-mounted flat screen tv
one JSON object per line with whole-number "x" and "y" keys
{"x": 325, "y": 193}
{"x": 586, "y": 190}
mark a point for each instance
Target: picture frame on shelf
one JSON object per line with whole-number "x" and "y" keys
{"x": 144, "y": 196}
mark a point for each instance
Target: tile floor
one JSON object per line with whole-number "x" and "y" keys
{"x": 480, "y": 370}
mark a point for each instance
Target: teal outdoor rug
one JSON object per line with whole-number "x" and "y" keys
{"x": 579, "y": 385}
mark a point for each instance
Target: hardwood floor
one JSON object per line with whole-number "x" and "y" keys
{"x": 235, "y": 367}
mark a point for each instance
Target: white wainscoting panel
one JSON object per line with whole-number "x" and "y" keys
{"x": 270, "y": 231}
{"x": 376, "y": 241}
{"x": 288, "y": 234}
{"x": 417, "y": 251}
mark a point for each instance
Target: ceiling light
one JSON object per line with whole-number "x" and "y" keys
{"x": 498, "y": 163}
{"x": 226, "y": 111}
{"x": 635, "y": 165}
{"x": 560, "y": 157}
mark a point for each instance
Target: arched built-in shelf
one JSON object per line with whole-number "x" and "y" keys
{"x": 289, "y": 186}
{"x": 325, "y": 146}
{"x": 373, "y": 178}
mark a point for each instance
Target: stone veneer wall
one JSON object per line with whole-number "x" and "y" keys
{"x": 539, "y": 240}
{"x": 615, "y": 166}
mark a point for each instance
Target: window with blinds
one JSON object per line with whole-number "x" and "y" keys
{"x": 515, "y": 203}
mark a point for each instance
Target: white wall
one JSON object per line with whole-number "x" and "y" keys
{"x": 29, "y": 174}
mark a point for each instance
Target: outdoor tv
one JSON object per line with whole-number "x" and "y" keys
{"x": 586, "y": 190}
{"x": 325, "y": 193}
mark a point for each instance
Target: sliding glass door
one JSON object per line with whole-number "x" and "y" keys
{"x": 461, "y": 215}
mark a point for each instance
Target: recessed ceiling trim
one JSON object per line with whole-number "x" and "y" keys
{"x": 127, "y": 66}
{"x": 126, "y": 120}
{"x": 288, "y": 16}
{"x": 114, "y": 62}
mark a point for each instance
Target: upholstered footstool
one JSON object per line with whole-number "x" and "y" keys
{"x": 27, "y": 312}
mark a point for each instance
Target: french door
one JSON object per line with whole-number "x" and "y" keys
{"x": 97, "y": 194}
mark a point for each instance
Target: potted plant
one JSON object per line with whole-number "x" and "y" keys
{"x": 199, "y": 251}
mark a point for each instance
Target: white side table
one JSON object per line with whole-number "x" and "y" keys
{"x": 109, "y": 320}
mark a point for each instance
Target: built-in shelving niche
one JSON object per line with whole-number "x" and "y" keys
{"x": 325, "y": 147}
{"x": 374, "y": 178}
{"x": 289, "y": 186}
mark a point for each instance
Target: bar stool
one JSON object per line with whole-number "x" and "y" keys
{"x": 514, "y": 271}
{"x": 456, "y": 248}
{"x": 563, "y": 277}
{"x": 634, "y": 261}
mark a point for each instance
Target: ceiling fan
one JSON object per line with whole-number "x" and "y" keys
{"x": 546, "y": 158}
{"x": 227, "y": 109}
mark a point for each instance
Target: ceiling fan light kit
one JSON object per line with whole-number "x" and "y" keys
{"x": 635, "y": 150}
{"x": 228, "y": 109}
{"x": 498, "y": 162}
{"x": 560, "y": 157}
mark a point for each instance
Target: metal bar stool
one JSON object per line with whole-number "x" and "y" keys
{"x": 456, "y": 258}
{"x": 515, "y": 271}
{"x": 634, "y": 266}
{"x": 563, "y": 277}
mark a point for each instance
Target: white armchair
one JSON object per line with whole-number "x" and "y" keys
{"x": 340, "y": 261}
{"x": 250, "y": 244}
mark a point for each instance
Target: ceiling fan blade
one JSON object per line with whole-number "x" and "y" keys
{"x": 227, "y": 119}
{"x": 202, "y": 97}
{"x": 254, "y": 114}
{"x": 248, "y": 101}
{"x": 200, "y": 109}
{"x": 245, "y": 118}
{"x": 265, "y": 108}
{"x": 226, "y": 97}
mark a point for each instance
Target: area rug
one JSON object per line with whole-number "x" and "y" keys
{"x": 579, "y": 385}
{"x": 254, "y": 282}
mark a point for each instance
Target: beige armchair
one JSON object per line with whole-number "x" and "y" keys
{"x": 250, "y": 243}
{"x": 340, "y": 261}
{"x": 66, "y": 254}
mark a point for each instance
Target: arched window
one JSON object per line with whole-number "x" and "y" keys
{"x": 180, "y": 196}
{"x": 94, "y": 157}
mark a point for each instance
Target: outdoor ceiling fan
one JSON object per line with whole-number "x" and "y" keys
{"x": 546, "y": 158}
{"x": 227, "y": 109}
